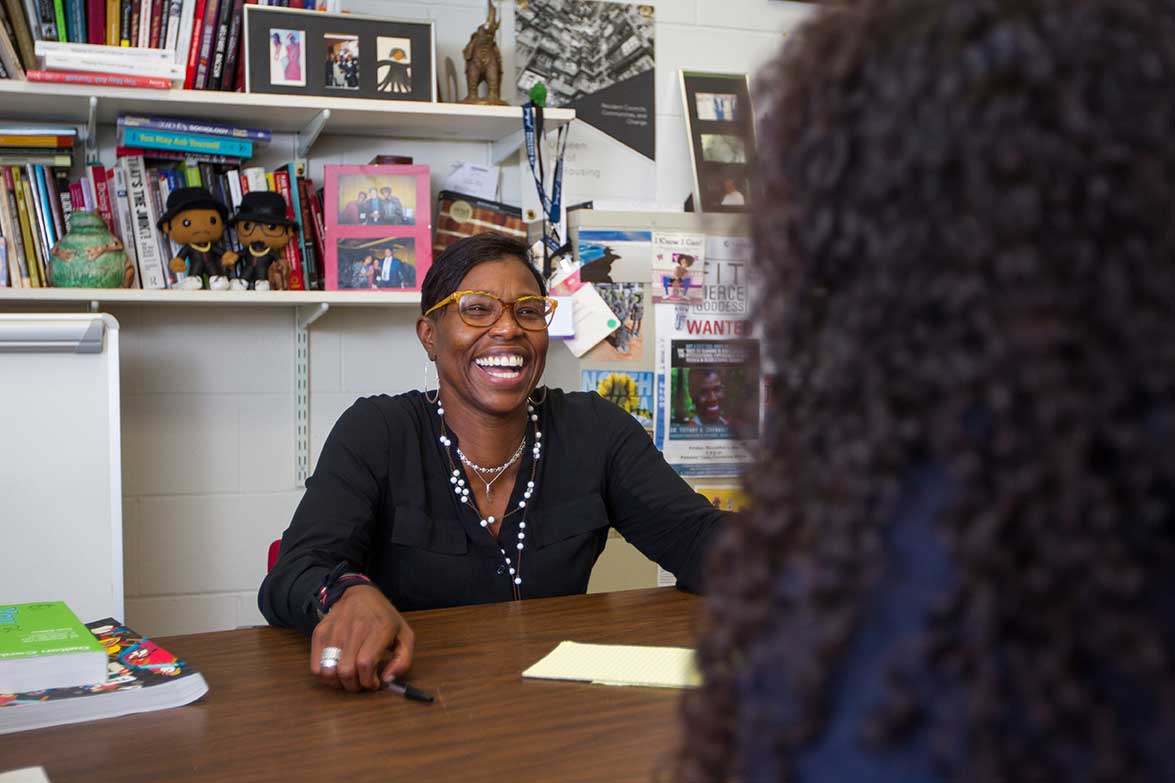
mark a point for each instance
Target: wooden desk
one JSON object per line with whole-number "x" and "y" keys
{"x": 266, "y": 718}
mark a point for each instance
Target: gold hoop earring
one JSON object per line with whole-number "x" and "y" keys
{"x": 431, "y": 400}
{"x": 533, "y": 401}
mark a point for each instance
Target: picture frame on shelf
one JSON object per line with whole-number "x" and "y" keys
{"x": 720, "y": 123}
{"x": 378, "y": 227}
{"x": 291, "y": 51}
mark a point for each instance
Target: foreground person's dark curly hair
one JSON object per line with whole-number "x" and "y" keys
{"x": 967, "y": 226}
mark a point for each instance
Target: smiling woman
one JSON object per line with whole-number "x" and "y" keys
{"x": 484, "y": 489}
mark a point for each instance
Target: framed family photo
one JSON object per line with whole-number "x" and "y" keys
{"x": 292, "y": 51}
{"x": 721, "y": 128}
{"x": 378, "y": 227}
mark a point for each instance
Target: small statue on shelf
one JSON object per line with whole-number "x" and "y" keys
{"x": 264, "y": 231}
{"x": 195, "y": 220}
{"x": 483, "y": 62}
{"x": 89, "y": 256}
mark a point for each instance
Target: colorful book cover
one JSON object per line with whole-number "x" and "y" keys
{"x": 138, "y": 671}
{"x": 292, "y": 250}
{"x": 186, "y": 142}
{"x": 632, "y": 392}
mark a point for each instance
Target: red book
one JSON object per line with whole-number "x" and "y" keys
{"x": 96, "y": 21}
{"x": 281, "y": 181}
{"x": 100, "y": 79}
{"x": 310, "y": 265}
{"x": 206, "y": 43}
{"x": 77, "y": 196}
{"x": 102, "y": 194}
{"x": 319, "y": 223}
{"x": 156, "y": 35}
{"x": 136, "y": 14}
{"x": 194, "y": 49}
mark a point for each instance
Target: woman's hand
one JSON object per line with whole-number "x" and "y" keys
{"x": 364, "y": 625}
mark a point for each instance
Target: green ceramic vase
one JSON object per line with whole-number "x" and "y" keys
{"x": 89, "y": 256}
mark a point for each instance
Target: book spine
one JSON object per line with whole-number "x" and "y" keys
{"x": 61, "y": 177}
{"x": 167, "y": 249}
{"x": 55, "y": 203}
{"x": 100, "y": 79}
{"x": 52, "y": 234}
{"x": 207, "y": 41}
{"x": 124, "y": 66}
{"x": 219, "y": 46}
{"x": 3, "y": 263}
{"x": 186, "y": 142}
{"x": 135, "y": 14}
{"x": 155, "y": 37}
{"x": 113, "y": 21}
{"x": 96, "y": 21}
{"x": 33, "y": 17}
{"x": 102, "y": 194}
{"x": 59, "y": 16}
{"x": 151, "y": 262}
{"x": 126, "y": 11}
{"x": 42, "y": 223}
{"x": 306, "y": 237}
{"x": 20, "y": 30}
{"x": 174, "y": 23}
{"x": 281, "y": 181}
{"x": 32, "y": 246}
{"x": 32, "y": 140}
{"x": 194, "y": 44}
{"x": 11, "y": 228}
{"x": 228, "y": 160}
{"x": 193, "y": 126}
{"x": 319, "y": 226}
{"x": 126, "y": 220}
{"x": 75, "y": 20}
{"x": 144, "y": 36}
{"x": 47, "y": 19}
{"x": 9, "y": 58}
{"x": 233, "y": 47}
{"x": 131, "y": 55}
{"x": 183, "y": 37}
{"x": 76, "y": 196}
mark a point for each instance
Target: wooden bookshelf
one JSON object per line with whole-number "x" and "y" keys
{"x": 46, "y": 102}
{"x": 224, "y": 298}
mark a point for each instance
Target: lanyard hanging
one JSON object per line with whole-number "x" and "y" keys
{"x": 532, "y": 126}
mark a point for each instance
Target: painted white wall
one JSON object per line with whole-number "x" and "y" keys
{"x": 208, "y": 422}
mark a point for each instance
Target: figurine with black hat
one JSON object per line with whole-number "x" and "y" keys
{"x": 195, "y": 220}
{"x": 264, "y": 231}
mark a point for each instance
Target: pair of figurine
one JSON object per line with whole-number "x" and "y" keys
{"x": 196, "y": 221}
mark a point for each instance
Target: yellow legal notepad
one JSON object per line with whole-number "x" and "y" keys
{"x": 613, "y": 664}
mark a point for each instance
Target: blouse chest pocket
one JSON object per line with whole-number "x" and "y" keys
{"x": 570, "y": 519}
{"x": 414, "y": 528}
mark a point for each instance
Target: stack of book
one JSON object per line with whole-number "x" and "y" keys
{"x": 196, "y": 44}
{"x": 54, "y": 670}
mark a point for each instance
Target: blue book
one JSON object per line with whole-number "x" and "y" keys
{"x": 46, "y": 205}
{"x": 186, "y": 142}
{"x": 195, "y": 126}
{"x": 75, "y": 21}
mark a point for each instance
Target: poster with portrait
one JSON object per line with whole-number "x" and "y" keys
{"x": 598, "y": 58}
{"x": 378, "y": 227}
{"x": 631, "y": 391}
{"x": 709, "y": 404}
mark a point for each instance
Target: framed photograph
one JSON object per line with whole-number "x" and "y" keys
{"x": 292, "y": 51}
{"x": 721, "y": 128}
{"x": 378, "y": 227}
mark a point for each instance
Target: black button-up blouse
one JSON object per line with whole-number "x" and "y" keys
{"x": 380, "y": 499}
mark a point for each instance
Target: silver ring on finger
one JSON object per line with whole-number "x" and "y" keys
{"x": 330, "y": 657}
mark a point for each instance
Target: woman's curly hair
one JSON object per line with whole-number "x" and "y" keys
{"x": 966, "y": 226}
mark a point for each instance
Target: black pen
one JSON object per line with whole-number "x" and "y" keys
{"x": 408, "y": 692}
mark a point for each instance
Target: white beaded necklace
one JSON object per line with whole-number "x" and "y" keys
{"x": 513, "y": 565}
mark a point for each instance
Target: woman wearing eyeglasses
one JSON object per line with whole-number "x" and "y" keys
{"x": 486, "y": 488}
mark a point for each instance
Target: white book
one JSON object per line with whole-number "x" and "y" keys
{"x": 145, "y": 22}
{"x": 125, "y": 221}
{"x": 93, "y": 64}
{"x": 187, "y": 20}
{"x": 143, "y": 215}
{"x": 132, "y": 53}
{"x": 174, "y": 17}
{"x": 255, "y": 178}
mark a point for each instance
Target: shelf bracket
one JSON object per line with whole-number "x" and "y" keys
{"x": 505, "y": 147}
{"x": 92, "y": 131}
{"x": 303, "y": 318}
{"x": 305, "y": 140}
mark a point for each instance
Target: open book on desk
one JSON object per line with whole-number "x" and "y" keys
{"x": 141, "y": 676}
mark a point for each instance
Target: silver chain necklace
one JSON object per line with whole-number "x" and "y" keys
{"x": 498, "y": 471}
